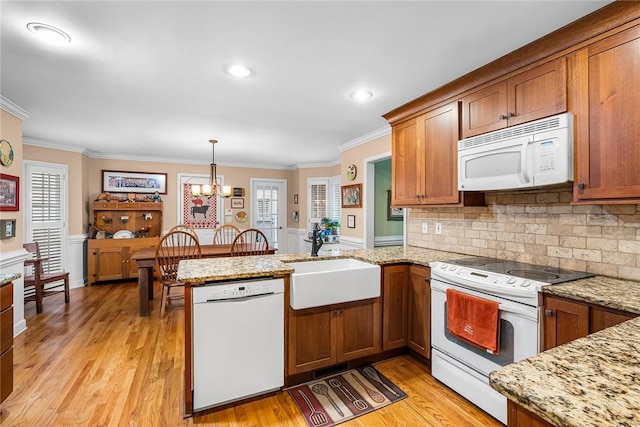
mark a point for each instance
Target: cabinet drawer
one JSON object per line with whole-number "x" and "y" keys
{"x": 6, "y": 296}
{"x": 6, "y": 330}
{"x": 6, "y": 374}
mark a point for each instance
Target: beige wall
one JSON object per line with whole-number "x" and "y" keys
{"x": 539, "y": 227}
{"x": 356, "y": 156}
{"x": 11, "y": 130}
{"x": 233, "y": 176}
{"x": 78, "y": 207}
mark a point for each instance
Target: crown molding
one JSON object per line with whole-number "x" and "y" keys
{"x": 383, "y": 131}
{"x": 13, "y": 108}
{"x": 37, "y": 142}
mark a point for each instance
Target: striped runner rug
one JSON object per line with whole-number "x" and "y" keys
{"x": 332, "y": 400}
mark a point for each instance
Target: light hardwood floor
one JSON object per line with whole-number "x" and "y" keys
{"x": 95, "y": 362}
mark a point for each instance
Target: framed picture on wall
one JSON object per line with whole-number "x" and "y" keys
{"x": 393, "y": 214}
{"x": 9, "y": 193}
{"x": 351, "y": 196}
{"x": 237, "y": 203}
{"x": 134, "y": 182}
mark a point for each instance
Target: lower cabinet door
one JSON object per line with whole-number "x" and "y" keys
{"x": 419, "y": 328}
{"x": 311, "y": 333}
{"x": 358, "y": 329}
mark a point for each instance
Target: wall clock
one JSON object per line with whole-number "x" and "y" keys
{"x": 6, "y": 153}
{"x": 352, "y": 171}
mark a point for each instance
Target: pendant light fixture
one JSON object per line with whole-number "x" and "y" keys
{"x": 211, "y": 189}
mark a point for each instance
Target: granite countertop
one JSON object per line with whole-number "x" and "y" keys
{"x": 606, "y": 291}
{"x": 219, "y": 269}
{"x": 592, "y": 381}
{"x": 8, "y": 278}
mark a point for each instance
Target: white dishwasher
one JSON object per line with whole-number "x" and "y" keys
{"x": 238, "y": 340}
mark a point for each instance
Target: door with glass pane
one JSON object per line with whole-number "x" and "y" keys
{"x": 46, "y": 213}
{"x": 268, "y": 210}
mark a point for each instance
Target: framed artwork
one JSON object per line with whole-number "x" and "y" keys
{"x": 393, "y": 214}
{"x": 351, "y": 196}
{"x": 134, "y": 182}
{"x": 9, "y": 193}
{"x": 351, "y": 221}
{"x": 237, "y": 203}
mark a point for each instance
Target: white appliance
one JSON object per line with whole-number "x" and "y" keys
{"x": 533, "y": 154}
{"x": 238, "y": 341}
{"x": 516, "y": 287}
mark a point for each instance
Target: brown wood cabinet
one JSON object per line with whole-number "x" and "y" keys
{"x": 323, "y": 336}
{"x": 406, "y": 318}
{"x": 395, "y": 294}
{"x": 566, "y": 320}
{"x": 6, "y": 340}
{"x": 424, "y": 159}
{"x": 530, "y": 95}
{"x": 419, "y": 310}
{"x": 517, "y": 416}
{"x": 110, "y": 259}
{"x": 607, "y": 143}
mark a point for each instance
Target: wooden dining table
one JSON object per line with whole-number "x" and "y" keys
{"x": 145, "y": 259}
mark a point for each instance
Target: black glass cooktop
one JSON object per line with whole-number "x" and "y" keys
{"x": 541, "y": 273}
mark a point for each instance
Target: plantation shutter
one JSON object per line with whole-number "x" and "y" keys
{"x": 317, "y": 201}
{"x": 335, "y": 206}
{"x": 45, "y": 213}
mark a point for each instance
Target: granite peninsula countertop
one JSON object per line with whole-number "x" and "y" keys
{"x": 219, "y": 269}
{"x": 8, "y": 278}
{"x": 592, "y": 381}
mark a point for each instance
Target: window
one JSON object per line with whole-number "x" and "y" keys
{"x": 323, "y": 199}
{"x": 45, "y": 216}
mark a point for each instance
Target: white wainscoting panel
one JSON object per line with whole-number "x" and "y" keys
{"x": 13, "y": 262}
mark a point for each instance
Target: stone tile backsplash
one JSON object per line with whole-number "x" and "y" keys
{"x": 538, "y": 227}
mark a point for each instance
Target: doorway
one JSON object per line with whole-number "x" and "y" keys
{"x": 384, "y": 226}
{"x": 269, "y": 210}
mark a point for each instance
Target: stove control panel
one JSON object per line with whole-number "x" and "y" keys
{"x": 485, "y": 279}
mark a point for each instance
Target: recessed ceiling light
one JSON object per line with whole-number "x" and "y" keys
{"x": 48, "y": 33}
{"x": 361, "y": 95}
{"x": 238, "y": 70}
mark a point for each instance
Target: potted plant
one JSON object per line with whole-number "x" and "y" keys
{"x": 326, "y": 222}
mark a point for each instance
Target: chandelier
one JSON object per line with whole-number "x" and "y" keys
{"x": 211, "y": 189}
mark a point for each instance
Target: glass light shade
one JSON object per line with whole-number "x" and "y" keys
{"x": 195, "y": 190}
{"x": 206, "y": 189}
{"x": 226, "y": 191}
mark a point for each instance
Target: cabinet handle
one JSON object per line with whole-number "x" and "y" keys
{"x": 581, "y": 185}
{"x": 548, "y": 313}
{"x": 510, "y": 114}
{"x": 502, "y": 117}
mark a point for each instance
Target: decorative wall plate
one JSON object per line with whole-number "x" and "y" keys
{"x": 241, "y": 216}
{"x": 352, "y": 171}
{"x": 6, "y": 153}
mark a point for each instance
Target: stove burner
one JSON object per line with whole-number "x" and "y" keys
{"x": 474, "y": 262}
{"x": 533, "y": 275}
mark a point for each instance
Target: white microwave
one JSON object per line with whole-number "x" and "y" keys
{"x": 530, "y": 155}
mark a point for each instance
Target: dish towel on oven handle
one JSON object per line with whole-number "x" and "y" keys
{"x": 474, "y": 320}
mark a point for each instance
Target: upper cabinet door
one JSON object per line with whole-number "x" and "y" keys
{"x": 539, "y": 92}
{"x": 406, "y": 162}
{"x": 534, "y": 94}
{"x": 485, "y": 110}
{"x": 608, "y": 126}
{"x": 439, "y": 131}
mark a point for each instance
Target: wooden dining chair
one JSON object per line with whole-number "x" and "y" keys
{"x": 250, "y": 242}
{"x": 225, "y": 235}
{"x": 173, "y": 248}
{"x": 186, "y": 228}
{"x": 40, "y": 283}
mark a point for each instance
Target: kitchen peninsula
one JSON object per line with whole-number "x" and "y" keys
{"x": 589, "y": 381}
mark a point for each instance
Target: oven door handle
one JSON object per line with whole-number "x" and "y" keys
{"x": 524, "y": 311}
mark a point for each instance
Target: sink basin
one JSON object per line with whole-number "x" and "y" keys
{"x": 332, "y": 281}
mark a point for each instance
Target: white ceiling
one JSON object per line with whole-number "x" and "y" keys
{"x": 145, "y": 80}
